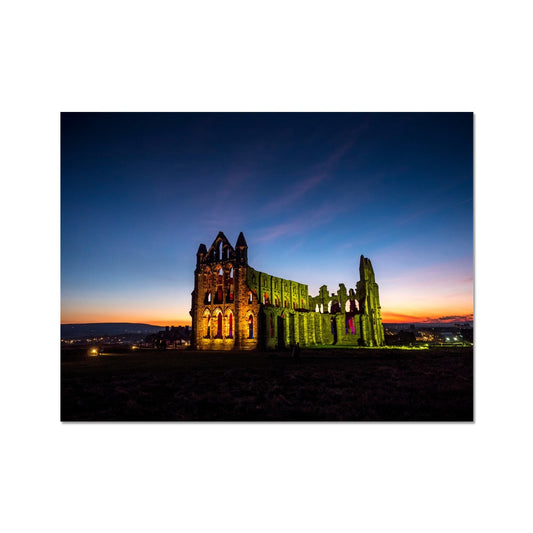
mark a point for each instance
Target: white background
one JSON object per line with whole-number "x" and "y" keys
{"x": 265, "y": 56}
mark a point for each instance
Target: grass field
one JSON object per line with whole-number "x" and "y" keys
{"x": 320, "y": 385}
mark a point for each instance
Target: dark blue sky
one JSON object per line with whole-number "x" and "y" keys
{"x": 310, "y": 191}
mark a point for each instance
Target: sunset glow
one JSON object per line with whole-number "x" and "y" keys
{"x": 311, "y": 192}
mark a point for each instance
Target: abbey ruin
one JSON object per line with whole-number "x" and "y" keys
{"x": 237, "y": 307}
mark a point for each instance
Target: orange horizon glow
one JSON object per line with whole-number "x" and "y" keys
{"x": 148, "y": 322}
{"x": 444, "y": 318}
{"x": 389, "y": 317}
{"x": 137, "y": 318}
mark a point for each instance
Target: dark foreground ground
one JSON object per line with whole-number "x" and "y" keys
{"x": 321, "y": 385}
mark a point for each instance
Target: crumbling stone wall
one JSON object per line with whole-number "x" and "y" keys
{"x": 237, "y": 307}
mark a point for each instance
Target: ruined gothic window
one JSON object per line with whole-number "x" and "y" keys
{"x": 251, "y": 327}
{"x": 266, "y": 298}
{"x": 317, "y": 309}
{"x": 321, "y": 308}
{"x": 230, "y": 326}
{"x": 219, "y": 326}
{"x": 207, "y": 325}
{"x": 329, "y": 307}
{"x": 303, "y": 304}
{"x": 220, "y": 250}
{"x": 250, "y": 297}
{"x": 284, "y": 303}
{"x": 229, "y": 285}
{"x": 207, "y": 299}
{"x": 219, "y": 293}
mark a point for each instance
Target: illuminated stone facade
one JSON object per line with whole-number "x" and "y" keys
{"x": 237, "y": 307}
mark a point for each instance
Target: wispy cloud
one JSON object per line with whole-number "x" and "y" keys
{"x": 455, "y": 318}
{"x": 399, "y": 317}
{"x": 296, "y": 193}
{"x": 320, "y": 174}
{"x": 300, "y": 224}
{"x": 432, "y": 207}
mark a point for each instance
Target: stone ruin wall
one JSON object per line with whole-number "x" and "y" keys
{"x": 260, "y": 310}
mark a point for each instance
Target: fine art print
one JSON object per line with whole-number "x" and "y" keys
{"x": 267, "y": 267}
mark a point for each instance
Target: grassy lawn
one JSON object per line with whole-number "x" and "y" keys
{"x": 321, "y": 385}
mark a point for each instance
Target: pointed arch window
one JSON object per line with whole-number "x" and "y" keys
{"x": 251, "y": 327}
{"x": 207, "y": 325}
{"x": 219, "y": 325}
{"x": 230, "y": 326}
{"x": 219, "y": 293}
{"x": 229, "y": 286}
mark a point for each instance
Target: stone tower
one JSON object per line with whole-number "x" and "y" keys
{"x": 368, "y": 297}
{"x": 224, "y": 312}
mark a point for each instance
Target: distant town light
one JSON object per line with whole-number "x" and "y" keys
{"x": 93, "y": 352}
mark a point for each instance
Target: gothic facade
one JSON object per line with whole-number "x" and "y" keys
{"x": 237, "y": 307}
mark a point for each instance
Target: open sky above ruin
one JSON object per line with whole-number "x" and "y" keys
{"x": 310, "y": 191}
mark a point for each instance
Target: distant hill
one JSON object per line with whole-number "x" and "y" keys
{"x": 72, "y": 331}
